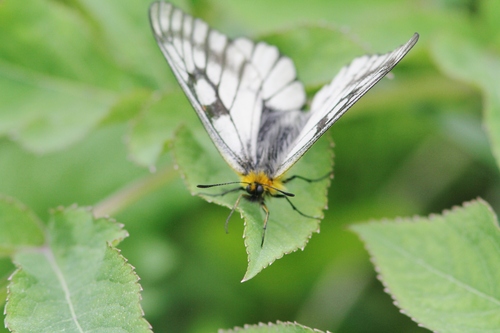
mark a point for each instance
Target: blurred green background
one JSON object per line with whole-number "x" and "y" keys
{"x": 88, "y": 104}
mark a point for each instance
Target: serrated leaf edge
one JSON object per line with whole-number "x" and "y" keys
{"x": 309, "y": 237}
{"x": 269, "y": 324}
{"x": 75, "y": 207}
{"x": 414, "y": 219}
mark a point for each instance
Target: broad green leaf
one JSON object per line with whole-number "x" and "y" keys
{"x": 378, "y": 28}
{"x": 64, "y": 65}
{"x": 463, "y": 58}
{"x": 124, "y": 27}
{"x": 153, "y": 129}
{"x": 490, "y": 12}
{"x": 443, "y": 271}
{"x": 55, "y": 83}
{"x": 128, "y": 107}
{"x": 318, "y": 51}
{"x": 279, "y": 327}
{"x": 20, "y": 227}
{"x": 76, "y": 282}
{"x": 287, "y": 230}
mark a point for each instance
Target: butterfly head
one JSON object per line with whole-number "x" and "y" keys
{"x": 259, "y": 184}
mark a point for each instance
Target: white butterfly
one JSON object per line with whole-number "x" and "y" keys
{"x": 249, "y": 99}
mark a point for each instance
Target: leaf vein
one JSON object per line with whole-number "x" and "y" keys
{"x": 60, "y": 277}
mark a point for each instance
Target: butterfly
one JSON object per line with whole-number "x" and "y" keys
{"x": 250, "y": 101}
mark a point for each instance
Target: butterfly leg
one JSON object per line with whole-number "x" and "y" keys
{"x": 264, "y": 208}
{"x": 330, "y": 174}
{"x": 232, "y": 211}
{"x": 235, "y": 204}
{"x": 293, "y": 206}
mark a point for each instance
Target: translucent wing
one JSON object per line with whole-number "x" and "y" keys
{"x": 335, "y": 98}
{"x": 232, "y": 84}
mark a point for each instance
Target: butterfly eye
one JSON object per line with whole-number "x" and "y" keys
{"x": 259, "y": 189}
{"x": 255, "y": 189}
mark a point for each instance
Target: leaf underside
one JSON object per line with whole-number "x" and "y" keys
{"x": 443, "y": 271}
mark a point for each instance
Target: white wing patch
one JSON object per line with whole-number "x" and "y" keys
{"x": 247, "y": 94}
{"x": 205, "y": 92}
{"x": 264, "y": 57}
{"x": 245, "y": 46}
{"x": 200, "y": 35}
{"x": 288, "y": 98}
{"x": 217, "y": 43}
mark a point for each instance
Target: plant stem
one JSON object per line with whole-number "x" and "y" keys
{"x": 131, "y": 193}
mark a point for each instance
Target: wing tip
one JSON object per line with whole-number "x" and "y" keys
{"x": 154, "y": 13}
{"x": 154, "y": 6}
{"x": 413, "y": 40}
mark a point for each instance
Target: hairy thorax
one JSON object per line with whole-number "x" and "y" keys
{"x": 259, "y": 184}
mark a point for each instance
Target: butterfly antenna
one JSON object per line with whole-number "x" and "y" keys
{"x": 231, "y": 213}
{"x": 288, "y": 194}
{"x": 221, "y": 184}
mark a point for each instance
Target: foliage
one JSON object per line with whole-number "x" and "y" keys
{"x": 89, "y": 114}
{"x": 439, "y": 268}
{"x": 287, "y": 231}
{"x": 74, "y": 281}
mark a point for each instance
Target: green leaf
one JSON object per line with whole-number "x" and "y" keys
{"x": 153, "y": 129}
{"x": 463, "y": 58}
{"x": 443, "y": 271}
{"x": 64, "y": 65}
{"x": 318, "y": 51}
{"x": 128, "y": 107}
{"x": 124, "y": 27}
{"x": 76, "y": 282}
{"x": 287, "y": 230}
{"x": 279, "y": 327}
{"x": 52, "y": 90}
{"x": 20, "y": 227}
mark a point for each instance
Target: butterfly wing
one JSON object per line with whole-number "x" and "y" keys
{"x": 230, "y": 83}
{"x": 335, "y": 98}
